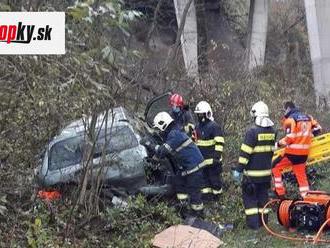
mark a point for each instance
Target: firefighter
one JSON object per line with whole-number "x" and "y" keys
{"x": 181, "y": 114}
{"x": 300, "y": 129}
{"x": 209, "y": 139}
{"x": 189, "y": 161}
{"x": 255, "y": 164}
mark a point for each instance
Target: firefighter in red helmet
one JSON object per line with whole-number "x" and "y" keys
{"x": 181, "y": 114}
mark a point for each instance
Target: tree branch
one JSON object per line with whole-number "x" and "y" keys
{"x": 173, "y": 51}
{"x": 153, "y": 25}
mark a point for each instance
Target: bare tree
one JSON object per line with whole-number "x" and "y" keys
{"x": 202, "y": 37}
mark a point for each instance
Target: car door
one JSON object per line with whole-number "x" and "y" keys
{"x": 156, "y": 105}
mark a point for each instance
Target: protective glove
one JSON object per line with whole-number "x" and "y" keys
{"x": 316, "y": 132}
{"x": 189, "y": 129}
{"x": 277, "y": 145}
{"x": 147, "y": 142}
{"x": 144, "y": 141}
{"x": 194, "y": 136}
{"x": 237, "y": 176}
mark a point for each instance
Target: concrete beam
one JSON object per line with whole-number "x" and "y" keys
{"x": 188, "y": 37}
{"x": 258, "y": 22}
{"x": 318, "y": 21}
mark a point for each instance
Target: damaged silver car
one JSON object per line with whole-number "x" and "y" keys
{"x": 125, "y": 167}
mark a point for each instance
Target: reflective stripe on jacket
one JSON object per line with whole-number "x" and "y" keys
{"x": 299, "y": 133}
{"x": 256, "y": 153}
{"x": 210, "y": 140}
{"x": 179, "y": 145}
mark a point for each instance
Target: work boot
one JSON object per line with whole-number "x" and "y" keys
{"x": 198, "y": 213}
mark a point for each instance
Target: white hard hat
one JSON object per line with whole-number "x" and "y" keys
{"x": 162, "y": 120}
{"x": 204, "y": 107}
{"x": 259, "y": 109}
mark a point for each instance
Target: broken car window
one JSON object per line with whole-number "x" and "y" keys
{"x": 70, "y": 151}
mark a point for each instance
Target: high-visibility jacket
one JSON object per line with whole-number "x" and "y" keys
{"x": 256, "y": 153}
{"x": 210, "y": 141}
{"x": 299, "y": 129}
{"x": 181, "y": 147}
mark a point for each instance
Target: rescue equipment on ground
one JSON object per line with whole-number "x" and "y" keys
{"x": 312, "y": 213}
{"x": 49, "y": 195}
{"x": 319, "y": 151}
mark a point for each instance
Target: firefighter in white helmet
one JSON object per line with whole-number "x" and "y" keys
{"x": 255, "y": 163}
{"x": 210, "y": 141}
{"x": 189, "y": 161}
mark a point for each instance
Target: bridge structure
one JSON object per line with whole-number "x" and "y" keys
{"x": 318, "y": 26}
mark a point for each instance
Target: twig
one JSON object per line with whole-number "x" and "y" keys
{"x": 153, "y": 25}
{"x": 134, "y": 82}
{"x": 172, "y": 52}
{"x": 294, "y": 24}
{"x": 135, "y": 220}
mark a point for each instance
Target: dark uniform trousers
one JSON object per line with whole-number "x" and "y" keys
{"x": 209, "y": 139}
{"x": 255, "y": 196}
{"x": 189, "y": 161}
{"x": 213, "y": 182}
{"x": 185, "y": 120}
{"x": 255, "y": 162}
{"x": 189, "y": 188}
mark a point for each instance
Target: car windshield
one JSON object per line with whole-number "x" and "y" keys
{"x": 70, "y": 151}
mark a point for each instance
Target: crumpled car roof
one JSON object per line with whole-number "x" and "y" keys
{"x": 119, "y": 115}
{"x": 128, "y": 170}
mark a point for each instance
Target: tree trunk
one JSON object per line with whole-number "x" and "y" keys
{"x": 87, "y": 157}
{"x": 202, "y": 37}
{"x": 187, "y": 34}
{"x": 258, "y": 21}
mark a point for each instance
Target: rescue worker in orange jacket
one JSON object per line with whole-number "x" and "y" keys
{"x": 300, "y": 129}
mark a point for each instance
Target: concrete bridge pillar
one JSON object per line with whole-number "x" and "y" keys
{"x": 258, "y": 22}
{"x": 189, "y": 36}
{"x": 318, "y": 24}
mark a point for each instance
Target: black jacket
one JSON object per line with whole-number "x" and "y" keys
{"x": 256, "y": 153}
{"x": 210, "y": 141}
{"x": 185, "y": 120}
{"x": 181, "y": 147}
